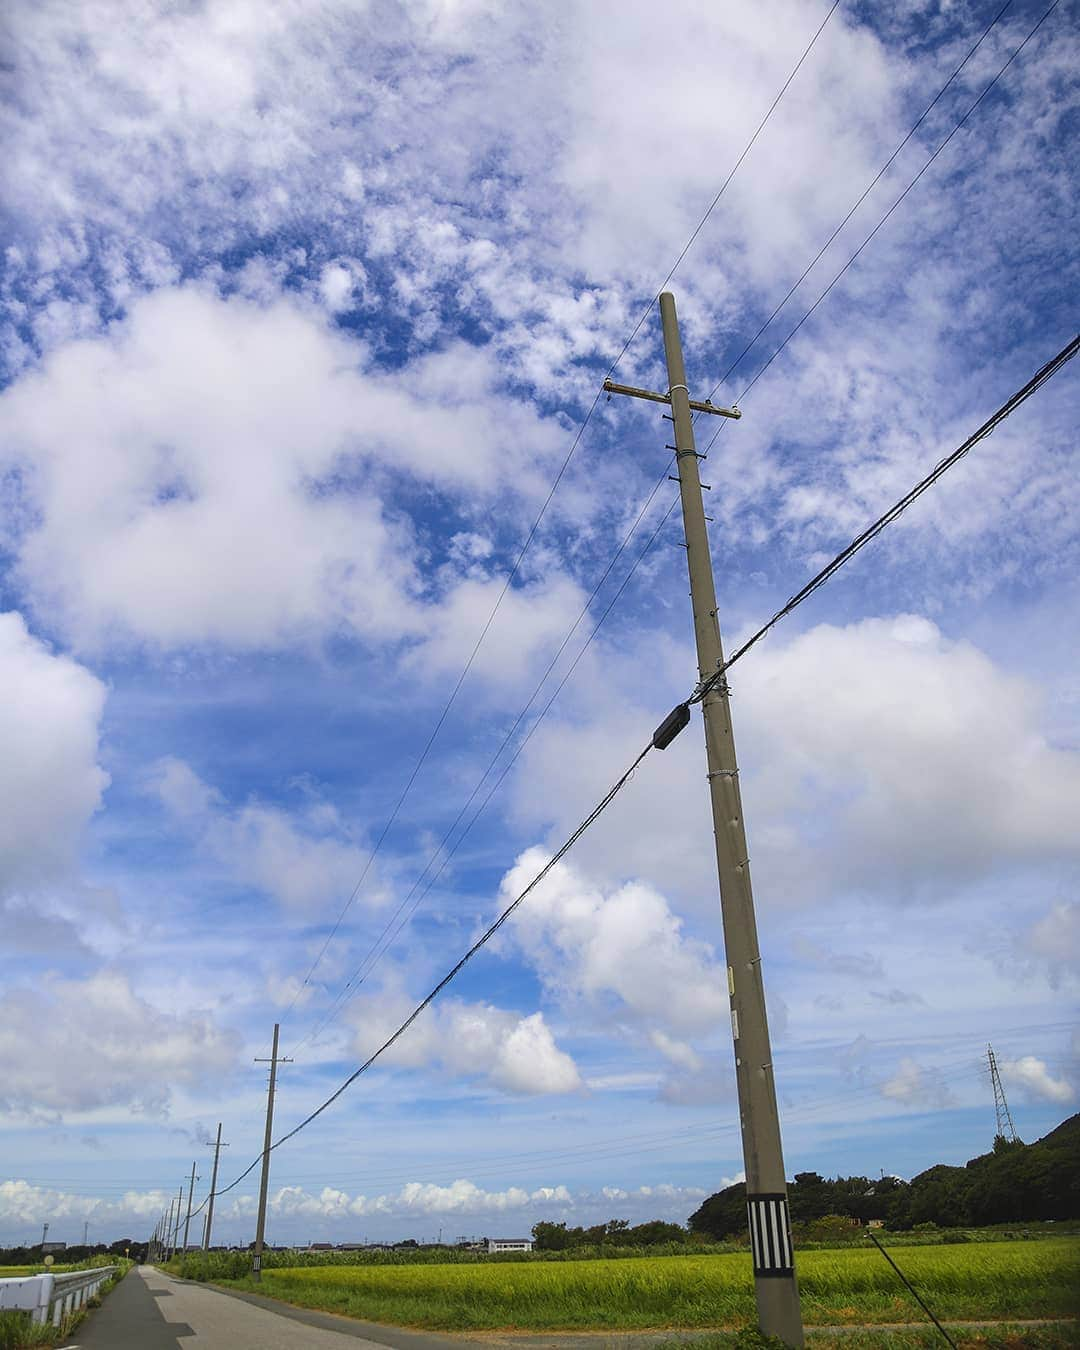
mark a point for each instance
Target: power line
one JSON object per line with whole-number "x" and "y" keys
{"x": 1036, "y": 382}
{"x": 489, "y": 933}
{"x": 446, "y": 708}
{"x": 859, "y": 201}
{"x": 803, "y": 1111}
{"x": 888, "y": 213}
{"x": 341, "y": 1000}
{"x": 543, "y": 510}
{"x": 897, "y": 509}
{"x": 374, "y": 953}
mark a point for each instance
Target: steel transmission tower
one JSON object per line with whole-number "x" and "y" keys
{"x": 1005, "y": 1127}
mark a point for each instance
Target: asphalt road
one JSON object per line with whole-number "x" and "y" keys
{"x": 151, "y": 1311}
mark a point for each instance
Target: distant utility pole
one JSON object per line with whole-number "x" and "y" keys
{"x": 166, "y": 1236}
{"x": 1005, "y": 1127}
{"x": 44, "y": 1233}
{"x": 766, "y": 1185}
{"x": 176, "y": 1226}
{"x": 264, "y": 1184}
{"x": 218, "y": 1146}
{"x": 191, "y": 1192}
{"x": 85, "y": 1231}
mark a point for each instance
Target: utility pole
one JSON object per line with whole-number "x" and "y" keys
{"x": 191, "y": 1192}
{"x": 766, "y": 1185}
{"x": 85, "y": 1231}
{"x": 264, "y": 1184}
{"x": 218, "y": 1146}
{"x": 166, "y": 1236}
{"x": 176, "y": 1226}
{"x": 44, "y": 1233}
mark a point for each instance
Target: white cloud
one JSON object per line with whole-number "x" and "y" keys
{"x": 211, "y": 471}
{"x": 75, "y": 1045}
{"x": 624, "y": 944}
{"x": 1032, "y": 1076}
{"x": 333, "y": 1210}
{"x": 50, "y": 780}
{"x": 304, "y": 858}
{"x": 22, "y": 1203}
{"x": 916, "y": 1086}
{"x": 926, "y": 763}
{"x": 515, "y": 1053}
{"x": 914, "y": 743}
{"x": 1054, "y": 940}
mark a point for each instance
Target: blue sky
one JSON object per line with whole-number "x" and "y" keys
{"x": 303, "y": 306}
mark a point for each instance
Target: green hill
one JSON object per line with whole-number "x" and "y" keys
{"x": 1014, "y": 1183}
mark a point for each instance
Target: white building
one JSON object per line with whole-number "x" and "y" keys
{"x": 508, "y": 1244}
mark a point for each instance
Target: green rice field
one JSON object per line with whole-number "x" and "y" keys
{"x": 992, "y": 1281}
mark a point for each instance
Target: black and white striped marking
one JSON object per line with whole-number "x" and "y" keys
{"x": 770, "y": 1234}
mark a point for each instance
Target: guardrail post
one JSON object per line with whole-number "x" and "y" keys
{"x": 40, "y": 1315}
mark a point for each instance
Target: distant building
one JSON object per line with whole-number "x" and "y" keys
{"x": 508, "y": 1244}
{"x": 47, "y": 1247}
{"x": 320, "y": 1246}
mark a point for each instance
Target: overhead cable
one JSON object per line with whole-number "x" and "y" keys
{"x": 873, "y": 233}
{"x": 341, "y": 1001}
{"x": 543, "y": 510}
{"x": 897, "y": 509}
{"x": 862, "y": 197}
{"x": 484, "y": 938}
{"x": 389, "y": 932}
{"x": 1035, "y": 383}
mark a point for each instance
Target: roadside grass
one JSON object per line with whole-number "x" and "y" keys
{"x": 992, "y": 1281}
{"x": 1065, "y": 1336}
{"x": 16, "y": 1330}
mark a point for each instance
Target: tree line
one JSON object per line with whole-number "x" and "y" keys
{"x": 1014, "y": 1183}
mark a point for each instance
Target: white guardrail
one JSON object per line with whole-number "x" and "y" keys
{"x": 40, "y": 1295}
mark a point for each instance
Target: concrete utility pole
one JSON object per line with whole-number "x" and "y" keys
{"x": 190, "y": 1193}
{"x": 766, "y": 1185}
{"x": 176, "y": 1227}
{"x": 264, "y": 1184}
{"x": 218, "y": 1146}
{"x": 167, "y": 1235}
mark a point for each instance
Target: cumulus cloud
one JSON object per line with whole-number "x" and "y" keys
{"x": 332, "y": 1210}
{"x": 24, "y": 1204}
{"x": 50, "y": 780}
{"x": 515, "y": 1053}
{"x": 77, "y": 1045}
{"x": 209, "y": 471}
{"x": 1032, "y": 1076}
{"x": 624, "y": 945}
{"x": 883, "y": 724}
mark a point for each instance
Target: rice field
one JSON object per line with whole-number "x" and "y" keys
{"x": 999, "y": 1280}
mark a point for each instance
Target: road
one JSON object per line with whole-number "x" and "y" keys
{"x": 151, "y": 1311}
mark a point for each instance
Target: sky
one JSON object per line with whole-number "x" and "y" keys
{"x": 304, "y": 310}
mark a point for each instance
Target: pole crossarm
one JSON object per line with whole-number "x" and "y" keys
{"x": 610, "y": 387}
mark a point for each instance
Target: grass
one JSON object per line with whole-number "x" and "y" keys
{"x": 16, "y": 1330}
{"x": 975, "y": 1280}
{"x": 1065, "y": 1336}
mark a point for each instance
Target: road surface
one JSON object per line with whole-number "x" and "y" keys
{"x": 151, "y": 1311}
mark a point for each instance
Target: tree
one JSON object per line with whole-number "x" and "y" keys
{"x": 551, "y": 1237}
{"x": 723, "y": 1214}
